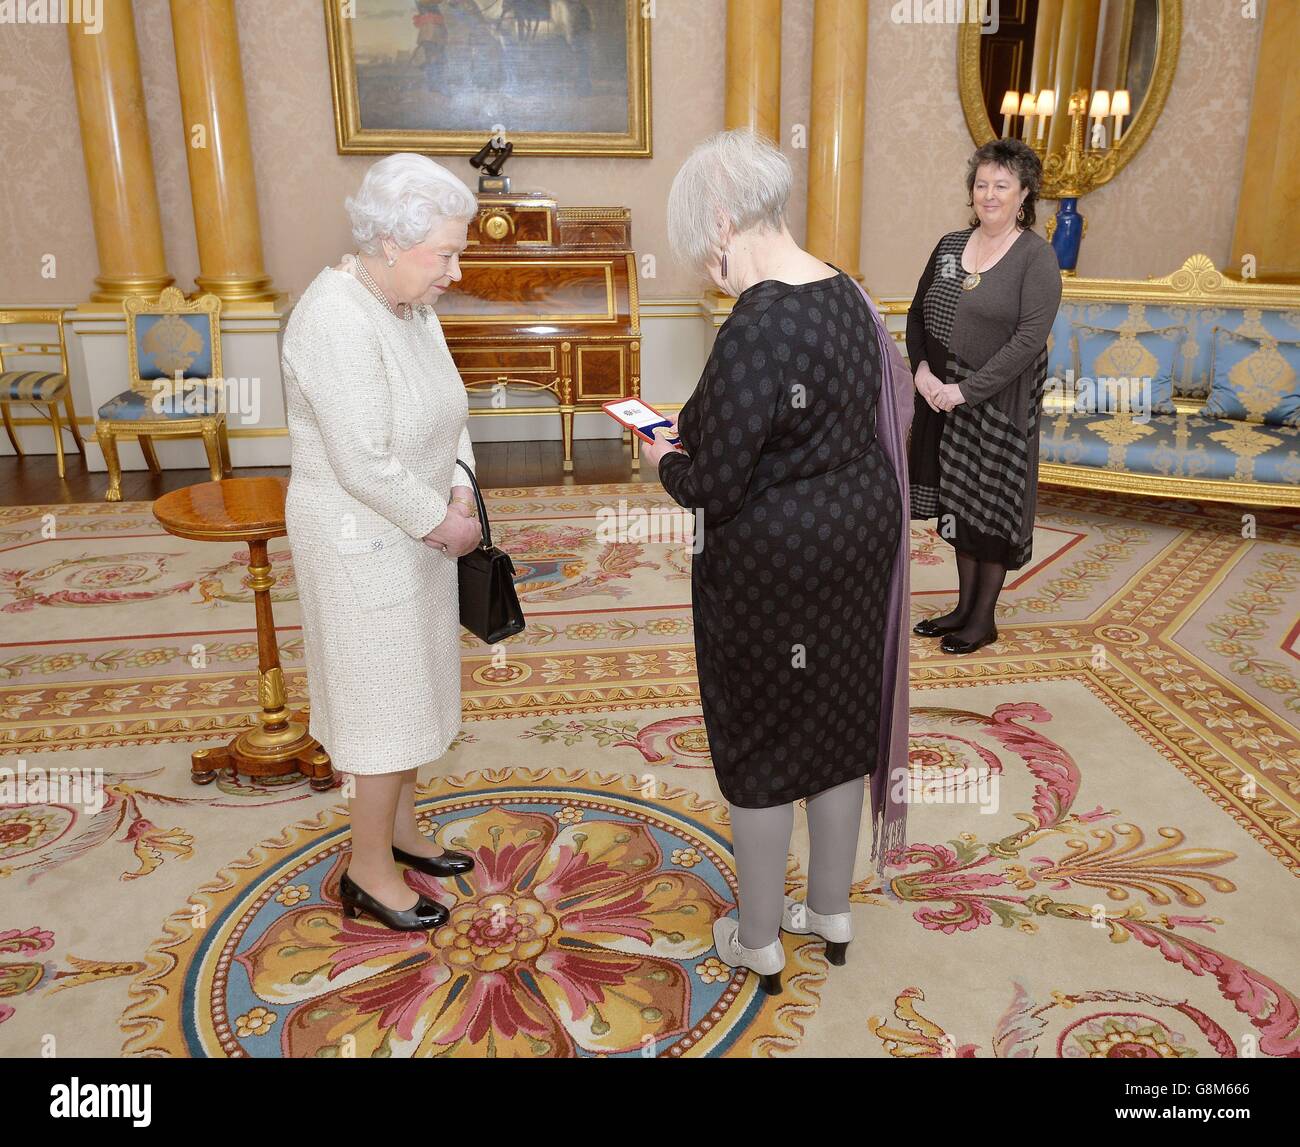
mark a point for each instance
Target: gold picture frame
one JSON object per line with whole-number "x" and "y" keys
{"x": 970, "y": 88}
{"x": 516, "y": 50}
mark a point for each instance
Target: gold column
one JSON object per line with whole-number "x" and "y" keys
{"x": 222, "y": 186}
{"x": 119, "y": 161}
{"x": 1268, "y": 209}
{"x": 1074, "y": 58}
{"x": 839, "y": 88}
{"x": 1042, "y": 72}
{"x": 754, "y": 67}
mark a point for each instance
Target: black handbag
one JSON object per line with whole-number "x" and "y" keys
{"x": 489, "y": 605}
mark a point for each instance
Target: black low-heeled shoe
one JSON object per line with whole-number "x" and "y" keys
{"x": 927, "y": 627}
{"x": 448, "y": 864}
{"x": 951, "y": 643}
{"x": 424, "y": 914}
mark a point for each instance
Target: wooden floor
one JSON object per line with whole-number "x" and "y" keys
{"x": 34, "y": 480}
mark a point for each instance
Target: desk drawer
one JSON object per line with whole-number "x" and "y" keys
{"x": 602, "y": 371}
{"x": 476, "y": 362}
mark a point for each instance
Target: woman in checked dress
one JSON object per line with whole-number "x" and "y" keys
{"x": 977, "y": 340}
{"x": 377, "y": 515}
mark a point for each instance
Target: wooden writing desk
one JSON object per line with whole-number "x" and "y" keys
{"x": 548, "y": 300}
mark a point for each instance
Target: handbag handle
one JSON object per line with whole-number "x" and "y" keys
{"x": 485, "y": 542}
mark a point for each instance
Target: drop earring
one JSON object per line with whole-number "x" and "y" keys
{"x": 724, "y": 266}
{"x": 1020, "y": 215}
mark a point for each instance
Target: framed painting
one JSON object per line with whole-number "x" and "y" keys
{"x": 555, "y": 77}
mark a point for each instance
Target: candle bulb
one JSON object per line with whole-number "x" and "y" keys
{"x": 1119, "y": 108}
{"x": 1046, "y": 105}
{"x": 1099, "y": 111}
{"x": 1027, "y": 110}
{"x": 1010, "y": 105}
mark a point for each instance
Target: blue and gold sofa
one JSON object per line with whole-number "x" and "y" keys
{"x": 1219, "y": 416}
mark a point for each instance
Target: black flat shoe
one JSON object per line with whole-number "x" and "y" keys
{"x": 927, "y": 627}
{"x": 951, "y": 643}
{"x": 424, "y": 914}
{"x": 448, "y": 864}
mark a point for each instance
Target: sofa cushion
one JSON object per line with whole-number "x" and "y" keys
{"x": 1193, "y": 379}
{"x": 1126, "y": 369}
{"x": 1174, "y": 445}
{"x": 1255, "y": 379}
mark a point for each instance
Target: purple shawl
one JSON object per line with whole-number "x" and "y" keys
{"x": 890, "y": 780}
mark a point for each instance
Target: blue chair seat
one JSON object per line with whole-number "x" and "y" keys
{"x": 132, "y": 406}
{"x": 32, "y": 386}
{"x": 1175, "y": 446}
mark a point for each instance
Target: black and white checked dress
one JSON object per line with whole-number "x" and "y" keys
{"x": 975, "y": 467}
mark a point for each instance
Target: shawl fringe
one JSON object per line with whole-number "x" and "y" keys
{"x": 889, "y": 781}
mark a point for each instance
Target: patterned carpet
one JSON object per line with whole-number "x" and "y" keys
{"x": 1131, "y": 891}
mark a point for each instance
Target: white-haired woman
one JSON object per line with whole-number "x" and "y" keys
{"x": 802, "y": 515}
{"x": 377, "y": 515}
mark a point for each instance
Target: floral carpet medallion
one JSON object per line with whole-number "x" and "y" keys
{"x": 1103, "y": 839}
{"x": 586, "y": 929}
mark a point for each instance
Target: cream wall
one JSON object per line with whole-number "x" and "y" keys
{"x": 1178, "y": 195}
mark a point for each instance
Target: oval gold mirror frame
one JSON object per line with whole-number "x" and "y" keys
{"x": 1162, "y": 79}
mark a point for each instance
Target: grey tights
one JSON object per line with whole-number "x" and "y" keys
{"x": 761, "y": 843}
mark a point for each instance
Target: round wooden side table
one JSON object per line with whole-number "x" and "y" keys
{"x": 250, "y": 510}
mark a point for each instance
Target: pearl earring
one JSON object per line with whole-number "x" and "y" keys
{"x": 392, "y": 262}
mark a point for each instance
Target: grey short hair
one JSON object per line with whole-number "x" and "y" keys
{"x": 402, "y": 197}
{"x": 740, "y": 173}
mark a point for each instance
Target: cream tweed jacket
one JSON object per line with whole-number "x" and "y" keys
{"x": 377, "y": 417}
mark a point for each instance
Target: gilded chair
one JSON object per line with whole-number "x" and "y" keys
{"x": 174, "y": 362}
{"x": 37, "y": 387}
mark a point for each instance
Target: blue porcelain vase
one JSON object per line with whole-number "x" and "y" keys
{"x": 1068, "y": 233}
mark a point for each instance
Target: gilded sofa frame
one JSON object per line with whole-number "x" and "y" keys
{"x": 1196, "y": 283}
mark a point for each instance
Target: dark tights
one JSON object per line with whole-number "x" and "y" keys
{"x": 980, "y": 584}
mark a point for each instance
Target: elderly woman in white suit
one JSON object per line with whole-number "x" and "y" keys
{"x": 377, "y": 514}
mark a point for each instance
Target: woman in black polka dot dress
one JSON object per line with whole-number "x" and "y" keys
{"x": 802, "y": 517}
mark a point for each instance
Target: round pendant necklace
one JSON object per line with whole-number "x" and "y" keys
{"x": 971, "y": 281}
{"x": 371, "y": 286}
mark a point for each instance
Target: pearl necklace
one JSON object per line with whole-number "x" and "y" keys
{"x": 373, "y": 288}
